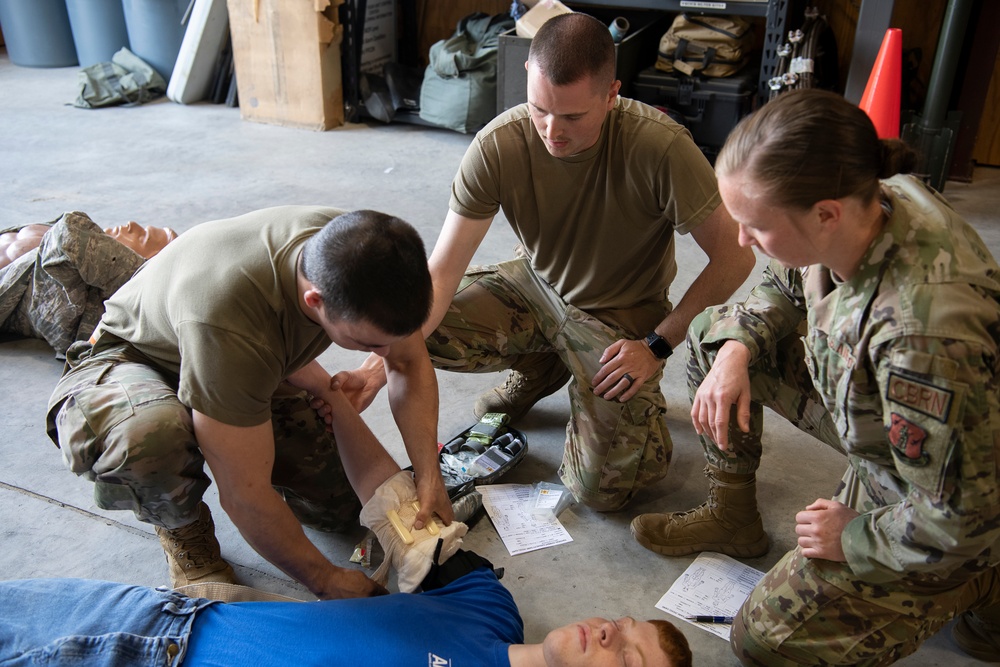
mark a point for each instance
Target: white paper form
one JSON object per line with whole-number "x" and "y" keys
{"x": 713, "y": 585}
{"x": 509, "y": 507}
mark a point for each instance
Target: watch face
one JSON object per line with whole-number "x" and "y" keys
{"x": 659, "y": 346}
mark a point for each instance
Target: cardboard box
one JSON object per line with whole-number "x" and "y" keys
{"x": 287, "y": 59}
{"x": 537, "y": 15}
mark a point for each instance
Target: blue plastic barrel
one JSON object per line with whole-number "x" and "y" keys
{"x": 155, "y": 31}
{"x": 98, "y": 29}
{"x": 37, "y": 33}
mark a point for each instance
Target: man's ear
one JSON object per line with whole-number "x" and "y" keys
{"x": 616, "y": 86}
{"x": 313, "y": 298}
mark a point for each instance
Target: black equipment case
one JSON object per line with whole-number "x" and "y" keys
{"x": 709, "y": 107}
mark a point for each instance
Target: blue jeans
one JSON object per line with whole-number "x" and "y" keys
{"x": 93, "y": 623}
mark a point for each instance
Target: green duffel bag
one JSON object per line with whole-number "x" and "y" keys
{"x": 706, "y": 45}
{"x": 459, "y": 90}
{"x": 127, "y": 79}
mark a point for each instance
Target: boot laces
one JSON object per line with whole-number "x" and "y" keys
{"x": 710, "y": 504}
{"x": 193, "y": 543}
{"x": 515, "y": 383}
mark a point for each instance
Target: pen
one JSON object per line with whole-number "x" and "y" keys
{"x": 711, "y": 619}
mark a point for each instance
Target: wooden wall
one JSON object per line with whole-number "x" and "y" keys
{"x": 919, "y": 21}
{"x": 987, "y": 148}
{"x": 436, "y": 19}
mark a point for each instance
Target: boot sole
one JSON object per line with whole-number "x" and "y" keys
{"x": 752, "y": 550}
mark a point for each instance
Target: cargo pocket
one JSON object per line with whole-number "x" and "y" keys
{"x": 475, "y": 333}
{"x": 638, "y": 454}
{"x": 85, "y": 418}
{"x": 859, "y": 414}
{"x": 474, "y": 274}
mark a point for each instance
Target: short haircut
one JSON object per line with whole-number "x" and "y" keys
{"x": 372, "y": 267}
{"x": 673, "y": 642}
{"x": 808, "y": 145}
{"x": 569, "y": 47}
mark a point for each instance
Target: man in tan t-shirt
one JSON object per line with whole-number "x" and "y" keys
{"x": 595, "y": 186}
{"x": 209, "y": 355}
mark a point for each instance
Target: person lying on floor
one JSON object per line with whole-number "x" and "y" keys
{"x": 461, "y": 616}
{"x": 471, "y": 620}
{"x": 55, "y": 277}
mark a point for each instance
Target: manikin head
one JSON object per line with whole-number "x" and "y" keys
{"x": 571, "y": 82}
{"x": 144, "y": 240}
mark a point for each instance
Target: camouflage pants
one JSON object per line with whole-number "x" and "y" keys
{"x": 503, "y": 313}
{"x": 119, "y": 423}
{"x": 779, "y": 381}
{"x": 816, "y": 612}
{"x": 808, "y": 611}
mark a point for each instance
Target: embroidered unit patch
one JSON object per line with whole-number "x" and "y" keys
{"x": 907, "y": 440}
{"x": 925, "y": 398}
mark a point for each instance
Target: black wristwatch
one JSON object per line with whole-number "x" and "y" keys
{"x": 658, "y": 345}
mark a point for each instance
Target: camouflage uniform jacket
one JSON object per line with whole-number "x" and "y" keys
{"x": 57, "y": 291}
{"x": 905, "y": 358}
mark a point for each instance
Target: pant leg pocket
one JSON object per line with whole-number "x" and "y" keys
{"x": 640, "y": 447}
{"x": 86, "y": 415}
{"x": 473, "y": 274}
{"x": 84, "y": 420}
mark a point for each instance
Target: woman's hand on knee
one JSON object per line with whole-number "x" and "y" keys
{"x": 820, "y": 528}
{"x": 726, "y": 384}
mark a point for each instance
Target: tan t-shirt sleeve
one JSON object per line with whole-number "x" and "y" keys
{"x": 688, "y": 189}
{"x": 475, "y": 190}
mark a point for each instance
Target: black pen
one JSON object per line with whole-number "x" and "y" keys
{"x": 711, "y": 619}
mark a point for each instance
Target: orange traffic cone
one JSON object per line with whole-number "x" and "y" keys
{"x": 881, "y": 100}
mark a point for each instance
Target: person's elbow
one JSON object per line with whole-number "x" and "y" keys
{"x": 234, "y": 504}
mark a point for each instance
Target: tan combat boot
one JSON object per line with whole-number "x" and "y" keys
{"x": 193, "y": 552}
{"x": 528, "y": 382}
{"x": 728, "y": 522}
{"x": 977, "y": 633}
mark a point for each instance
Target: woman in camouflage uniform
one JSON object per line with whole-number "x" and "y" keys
{"x": 897, "y": 367}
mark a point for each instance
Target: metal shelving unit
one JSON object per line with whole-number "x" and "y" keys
{"x": 775, "y": 13}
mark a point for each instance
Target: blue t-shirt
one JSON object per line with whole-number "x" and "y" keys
{"x": 469, "y": 622}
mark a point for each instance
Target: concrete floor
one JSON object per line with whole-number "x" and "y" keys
{"x": 167, "y": 164}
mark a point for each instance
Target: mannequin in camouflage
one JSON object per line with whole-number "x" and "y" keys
{"x": 55, "y": 277}
{"x": 898, "y": 299}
